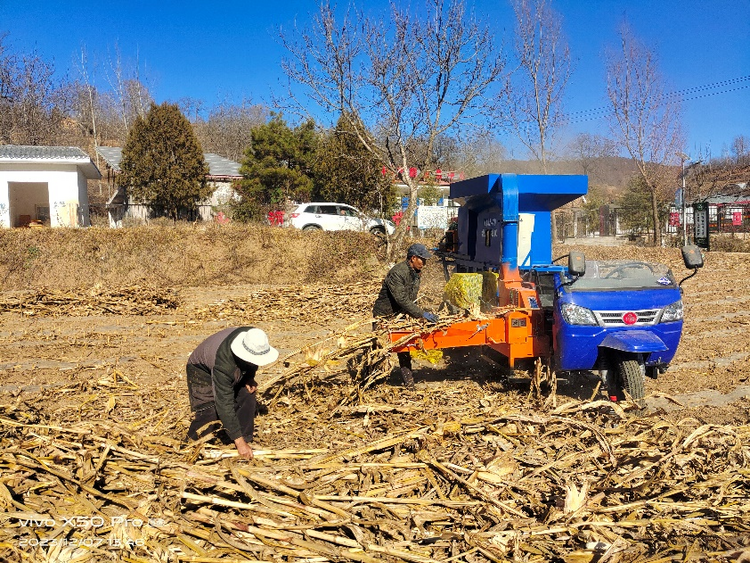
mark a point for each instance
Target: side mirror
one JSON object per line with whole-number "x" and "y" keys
{"x": 692, "y": 257}
{"x": 576, "y": 263}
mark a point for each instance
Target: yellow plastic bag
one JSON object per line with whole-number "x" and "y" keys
{"x": 489, "y": 290}
{"x": 432, "y": 356}
{"x": 474, "y": 292}
{"x": 464, "y": 291}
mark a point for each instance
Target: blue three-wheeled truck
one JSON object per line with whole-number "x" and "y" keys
{"x": 620, "y": 318}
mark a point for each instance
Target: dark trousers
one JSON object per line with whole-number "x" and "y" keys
{"x": 404, "y": 358}
{"x": 245, "y": 406}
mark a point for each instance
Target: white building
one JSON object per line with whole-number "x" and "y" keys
{"x": 44, "y": 186}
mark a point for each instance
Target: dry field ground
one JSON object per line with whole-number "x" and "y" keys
{"x": 467, "y": 466}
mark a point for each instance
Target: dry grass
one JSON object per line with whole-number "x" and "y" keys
{"x": 180, "y": 256}
{"x": 202, "y": 255}
{"x": 731, "y": 243}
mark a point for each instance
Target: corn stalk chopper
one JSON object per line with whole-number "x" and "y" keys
{"x": 620, "y": 318}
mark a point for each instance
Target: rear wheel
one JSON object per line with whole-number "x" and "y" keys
{"x": 311, "y": 228}
{"x": 631, "y": 379}
{"x": 377, "y": 231}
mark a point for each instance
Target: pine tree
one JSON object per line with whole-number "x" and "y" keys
{"x": 277, "y": 166}
{"x": 162, "y": 162}
{"x": 635, "y": 203}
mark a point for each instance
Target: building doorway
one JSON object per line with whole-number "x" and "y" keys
{"x": 29, "y": 201}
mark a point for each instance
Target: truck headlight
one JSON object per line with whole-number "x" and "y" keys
{"x": 577, "y": 315}
{"x": 672, "y": 313}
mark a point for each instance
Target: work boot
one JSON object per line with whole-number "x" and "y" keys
{"x": 407, "y": 377}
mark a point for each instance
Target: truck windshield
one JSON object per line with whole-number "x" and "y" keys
{"x": 620, "y": 274}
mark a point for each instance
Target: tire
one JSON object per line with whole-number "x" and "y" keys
{"x": 311, "y": 228}
{"x": 629, "y": 377}
{"x": 377, "y": 231}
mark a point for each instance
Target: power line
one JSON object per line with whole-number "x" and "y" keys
{"x": 687, "y": 94}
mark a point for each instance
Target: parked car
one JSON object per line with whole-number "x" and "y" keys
{"x": 336, "y": 217}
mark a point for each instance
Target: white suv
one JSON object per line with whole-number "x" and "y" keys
{"x": 336, "y": 217}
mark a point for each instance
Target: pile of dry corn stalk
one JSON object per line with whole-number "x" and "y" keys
{"x": 135, "y": 300}
{"x": 353, "y": 358}
{"x": 451, "y": 472}
{"x": 304, "y": 303}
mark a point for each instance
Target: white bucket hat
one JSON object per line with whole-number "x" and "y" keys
{"x": 252, "y": 346}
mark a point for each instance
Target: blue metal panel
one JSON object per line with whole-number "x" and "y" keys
{"x": 637, "y": 341}
{"x": 504, "y": 196}
{"x": 545, "y": 193}
{"x": 509, "y": 194}
{"x": 481, "y": 185}
{"x": 536, "y": 192}
{"x": 489, "y": 235}
{"x": 541, "y": 240}
{"x": 577, "y": 347}
{"x": 622, "y": 299}
{"x": 466, "y": 233}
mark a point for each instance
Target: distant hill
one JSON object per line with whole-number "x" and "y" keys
{"x": 609, "y": 172}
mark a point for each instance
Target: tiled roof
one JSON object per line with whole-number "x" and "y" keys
{"x": 112, "y": 155}
{"x": 728, "y": 199}
{"x": 41, "y": 155}
{"x": 217, "y": 165}
{"x": 220, "y": 166}
{"x": 27, "y": 152}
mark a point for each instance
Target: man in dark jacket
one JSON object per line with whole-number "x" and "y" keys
{"x": 221, "y": 383}
{"x": 399, "y": 295}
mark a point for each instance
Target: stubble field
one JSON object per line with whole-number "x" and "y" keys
{"x": 468, "y": 466}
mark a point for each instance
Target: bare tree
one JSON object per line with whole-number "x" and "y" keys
{"x": 112, "y": 129}
{"x": 88, "y": 110}
{"x": 706, "y": 177}
{"x": 192, "y": 108}
{"x": 477, "y": 154}
{"x": 643, "y": 120}
{"x": 7, "y": 72}
{"x": 34, "y": 109}
{"x": 401, "y": 81}
{"x": 131, "y": 96}
{"x": 588, "y": 149}
{"x": 533, "y": 96}
{"x": 740, "y": 149}
{"x": 227, "y": 129}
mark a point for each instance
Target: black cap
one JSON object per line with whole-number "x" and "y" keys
{"x": 418, "y": 250}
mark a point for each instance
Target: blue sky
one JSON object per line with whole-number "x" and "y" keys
{"x": 228, "y": 49}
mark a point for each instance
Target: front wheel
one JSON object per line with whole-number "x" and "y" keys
{"x": 630, "y": 378}
{"x": 380, "y": 231}
{"x": 311, "y": 228}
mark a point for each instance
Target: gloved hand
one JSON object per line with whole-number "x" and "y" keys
{"x": 430, "y": 317}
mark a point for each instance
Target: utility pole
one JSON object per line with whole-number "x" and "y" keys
{"x": 683, "y": 218}
{"x": 683, "y": 157}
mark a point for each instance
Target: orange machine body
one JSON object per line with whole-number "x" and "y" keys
{"x": 515, "y": 328}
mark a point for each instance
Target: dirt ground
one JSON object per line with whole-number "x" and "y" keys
{"x": 708, "y": 380}
{"x": 92, "y": 390}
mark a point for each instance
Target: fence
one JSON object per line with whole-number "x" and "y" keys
{"x": 728, "y": 217}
